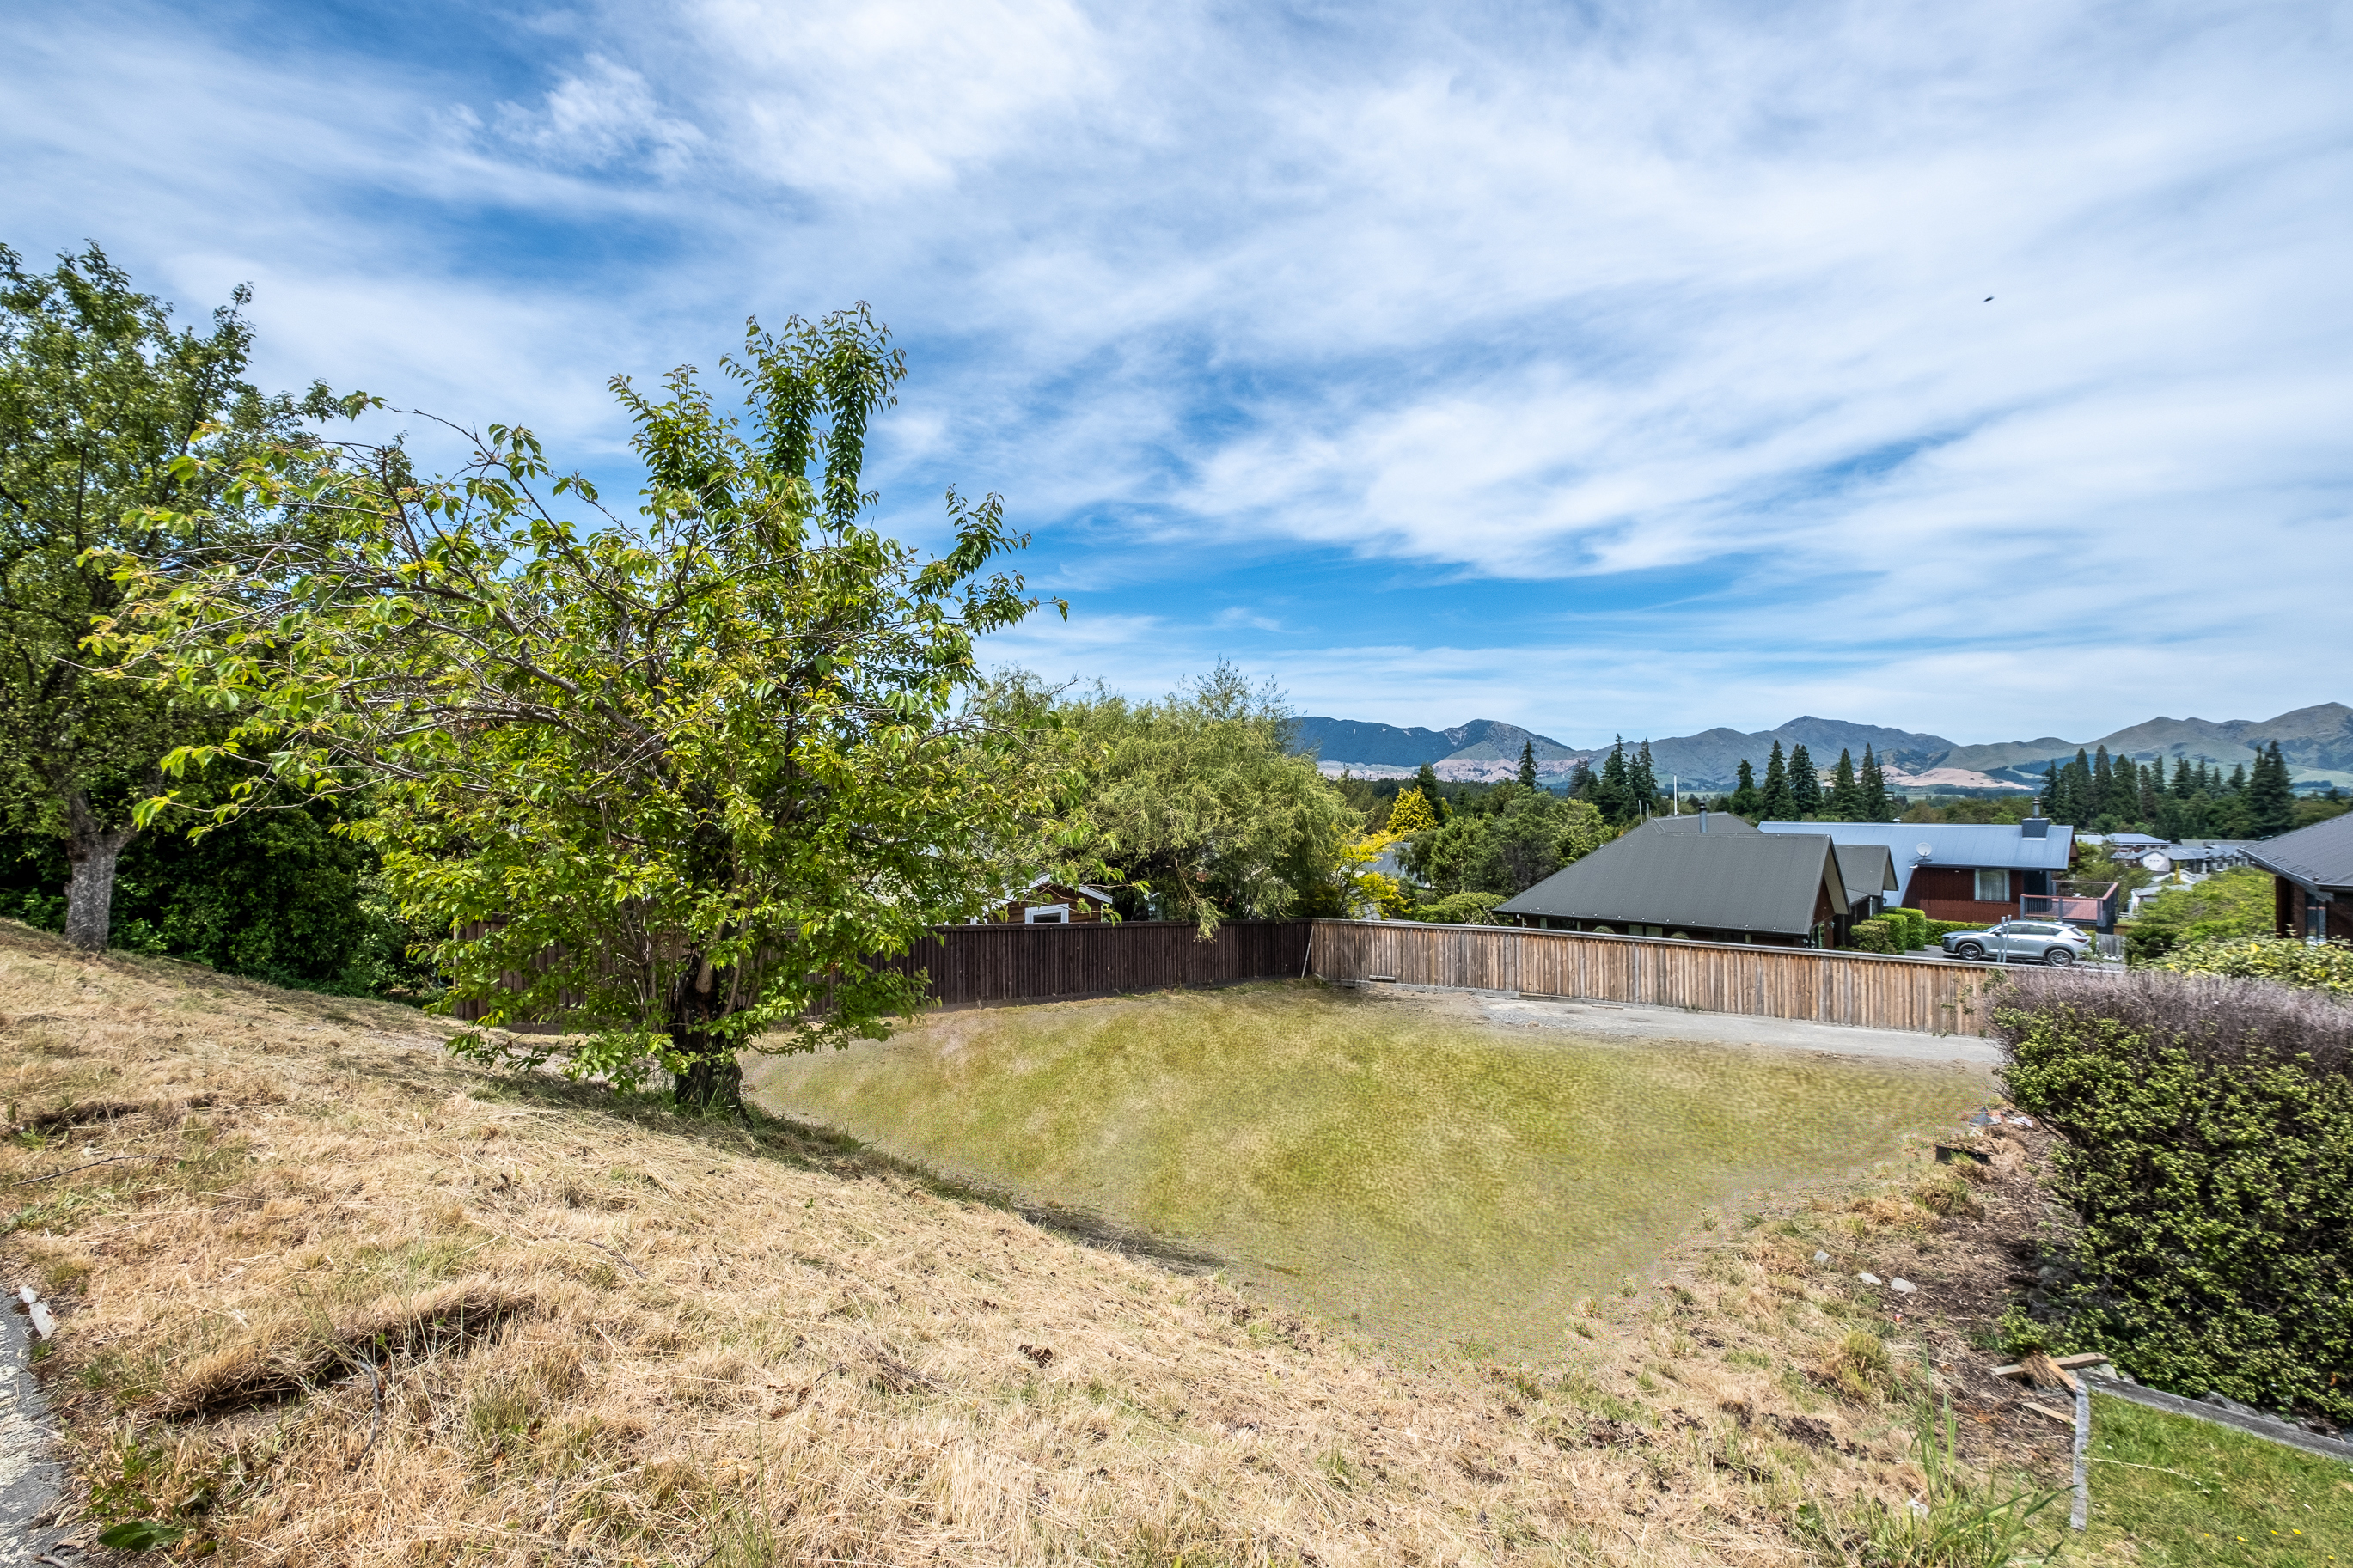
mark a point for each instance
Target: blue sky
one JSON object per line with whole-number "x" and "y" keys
{"x": 1600, "y": 368}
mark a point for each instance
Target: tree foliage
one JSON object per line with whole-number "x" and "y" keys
{"x": 104, "y": 406}
{"x": 2318, "y": 966}
{"x": 1194, "y": 807}
{"x": 2235, "y": 903}
{"x": 676, "y": 779}
{"x": 1526, "y": 836}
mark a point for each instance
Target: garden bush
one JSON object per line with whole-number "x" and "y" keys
{"x": 1915, "y": 927}
{"x": 1877, "y": 935}
{"x": 2229, "y": 904}
{"x": 1461, "y": 910}
{"x": 2325, "y": 967}
{"x": 1938, "y": 929}
{"x": 2206, "y": 1149}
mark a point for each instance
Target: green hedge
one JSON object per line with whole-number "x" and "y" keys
{"x": 1877, "y": 935}
{"x": 2325, "y": 966}
{"x": 1915, "y": 927}
{"x": 1937, "y": 929}
{"x": 2207, "y": 1127}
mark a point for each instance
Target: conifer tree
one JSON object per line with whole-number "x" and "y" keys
{"x": 2271, "y": 800}
{"x": 1846, "y": 795}
{"x": 1876, "y": 807}
{"x": 1615, "y": 796}
{"x": 1779, "y": 804}
{"x": 1527, "y": 765}
{"x": 1745, "y": 801}
{"x": 2104, "y": 786}
{"x": 2152, "y": 788}
{"x": 1644, "y": 778}
{"x": 1426, "y": 781}
{"x": 1805, "y": 785}
{"x": 1411, "y": 814}
{"x": 1581, "y": 781}
{"x": 2238, "y": 784}
{"x": 2182, "y": 783}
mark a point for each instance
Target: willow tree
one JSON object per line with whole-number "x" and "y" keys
{"x": 679, "y": 780}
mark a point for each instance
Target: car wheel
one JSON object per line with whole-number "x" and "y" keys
{"x": 2059, "y": 957}
{"x": 1969, "y": 950}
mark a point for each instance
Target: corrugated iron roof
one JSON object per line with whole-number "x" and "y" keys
{"x": 1715, "y": 881}
{"x": 1868, "y": 871}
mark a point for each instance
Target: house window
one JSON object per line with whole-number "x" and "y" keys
{"x": 1993, "y": 887}
{"x": 1047, "y": 915}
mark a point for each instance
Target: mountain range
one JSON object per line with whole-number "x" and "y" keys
{"x": 2317, "y": 742}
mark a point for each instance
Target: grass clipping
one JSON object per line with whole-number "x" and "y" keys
{"x": 333, "y": 1298}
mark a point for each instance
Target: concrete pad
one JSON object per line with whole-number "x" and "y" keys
{"x": 1613, "y": 1020}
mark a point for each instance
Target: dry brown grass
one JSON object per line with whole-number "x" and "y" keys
{"x": 355, "y": 1303}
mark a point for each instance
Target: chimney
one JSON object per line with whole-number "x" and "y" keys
{"x": 2035, "y": 827}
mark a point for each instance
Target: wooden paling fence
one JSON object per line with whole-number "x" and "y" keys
{"x": 988, "y": 963}
{"x": 1923, "y": 995}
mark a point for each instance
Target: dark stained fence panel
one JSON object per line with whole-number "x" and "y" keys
{"x": 980, "y": 964}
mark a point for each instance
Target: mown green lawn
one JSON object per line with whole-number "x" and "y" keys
{"x": 1430, "y": 1176}
{"x": 2171, "y": 1492}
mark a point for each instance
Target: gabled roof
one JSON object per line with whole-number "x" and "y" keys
{"x": 1712, "y": 881}
{"x": 2320, "y": 856}
{"x": 1868, "y": 871}
{"x": 1995, "y": 847}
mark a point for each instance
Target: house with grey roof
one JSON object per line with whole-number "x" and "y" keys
{"x": 2312, "y": 879}
{"x": 1869, "y": 872}
{"x": 1973, "y": 871}
{"x": 1666, "y": 879}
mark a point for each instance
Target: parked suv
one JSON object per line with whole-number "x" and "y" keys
{"x": 2022, "y": 942}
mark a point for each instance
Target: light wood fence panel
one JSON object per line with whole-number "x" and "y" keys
{"x": 1923, "y": 995}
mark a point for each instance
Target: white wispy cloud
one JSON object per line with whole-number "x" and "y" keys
{"x": 1480, "y": 295}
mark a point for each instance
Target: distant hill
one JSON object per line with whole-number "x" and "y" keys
{"x": 2317, "y": 742}
{"x": 1384, "y": 745}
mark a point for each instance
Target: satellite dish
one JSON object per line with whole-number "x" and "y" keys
{"x": 2157, "y": 862}
{"x": 1926, "y": 849}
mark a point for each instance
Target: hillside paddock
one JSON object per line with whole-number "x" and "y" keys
{"x": 333, "y": 1298}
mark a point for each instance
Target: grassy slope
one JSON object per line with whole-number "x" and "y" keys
{"x": 657, "y": 1340}
{"x": 1430, "y": 1175}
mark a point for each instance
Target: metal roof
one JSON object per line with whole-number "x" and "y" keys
{"x": 2320, "y": 856}
{"x": 1707, "y": 822}
{"x": 1996, "y": 847}
{"x": 1715, "y": 881}
{"x": 1868, "y": 871}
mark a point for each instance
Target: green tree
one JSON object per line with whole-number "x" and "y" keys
{"x": 1528, "y": 776}
{"x": 1805, "y": 785}
{"x": 1426, "y": 780}
{"x": 1531, "y": 837}
{"x": 675, "y": 781}
{"x": 1746, "y": 799}
{"x": 2270, "y": 798}
{"x": 2235, "y": 903}
{"x": 1872, "y": 783}
{"x": 1776, "y": 800}
{"x": 1615, "y": 795}
{"x": 1846, "y": 795}
{"x": 1196, "y": 807}
{"x": 1411, "y": 814}
{"x": 102, "y": 400}
{"x": 1642, "y": 779}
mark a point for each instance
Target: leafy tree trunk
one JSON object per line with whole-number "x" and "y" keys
{"x": 713, "y": 1078}
{"x": 91, "y": 850}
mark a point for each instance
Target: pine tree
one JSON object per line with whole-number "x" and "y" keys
{"x": 1876, "y": 807}
{"x": 1615, "y": 796}
{"x": 2183, "y": 785}
{"x": 1426, "y": 781}
{"x": 2238, "y": 784}
{"x": 1644, "y": 778}
{"x": 1581, "y": 781}
{"x": 2271, "y": 799}
{"x": 1846, "y": 795}
{"x": 1745, "y": 801}
{"x": 1527, "y": 765}
{"x": 2103, "y": 785}
{"x": 2152, "y": 790}
{"x": 1805, "y": 785}
{"x": 1779, "y": 804}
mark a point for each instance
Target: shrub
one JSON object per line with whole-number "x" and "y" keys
{"x": 2327, "y": 966}
{"x": 2207, "y": 1150}
{"x": 2231, "y": 903}
{"x": 1874, "y": 936}
{"x": 1939, "y": 930}
{"x": 1915, "y": 927}
{"x": 1461, "y": 910}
